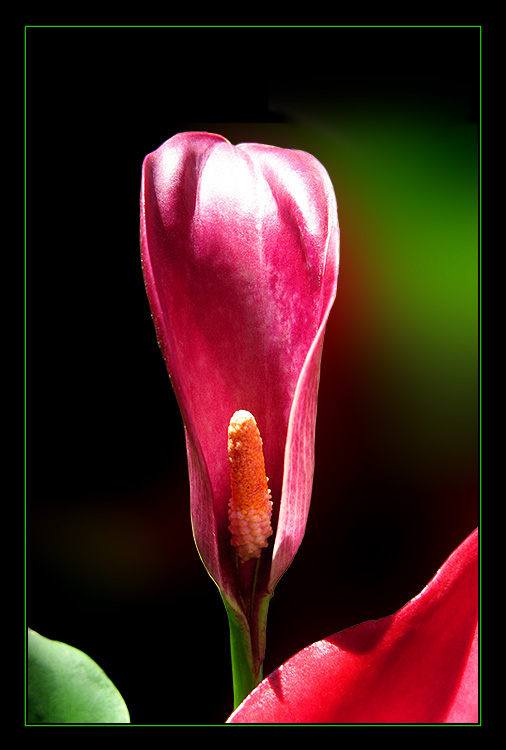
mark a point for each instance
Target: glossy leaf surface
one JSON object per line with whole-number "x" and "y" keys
{"x": 65, "y": 686}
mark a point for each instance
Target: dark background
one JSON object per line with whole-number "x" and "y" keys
{"x": 111, "y": 565}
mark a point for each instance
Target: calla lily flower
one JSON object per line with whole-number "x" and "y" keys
{"x": 240, "y": 259}
{"x": 419, "y": 665}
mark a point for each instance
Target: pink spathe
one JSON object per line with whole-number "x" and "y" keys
{"x": 240, "y": 260}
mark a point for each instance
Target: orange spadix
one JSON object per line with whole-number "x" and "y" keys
{"x": 250, "y": 505}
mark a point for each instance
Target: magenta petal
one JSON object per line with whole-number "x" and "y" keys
{"x": 240, "y": 259}
{"x": 419, "y": 665}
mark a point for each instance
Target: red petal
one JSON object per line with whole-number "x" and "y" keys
{"x": 419, "y": 665}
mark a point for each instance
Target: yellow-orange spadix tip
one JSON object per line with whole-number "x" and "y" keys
{"x": 250, "y": 506}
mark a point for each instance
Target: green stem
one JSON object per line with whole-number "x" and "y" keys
{"x": 247, "y": 623}
{"x": 244, "y": 674}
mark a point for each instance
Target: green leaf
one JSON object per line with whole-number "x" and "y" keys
{"x": 65, "y": 686}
